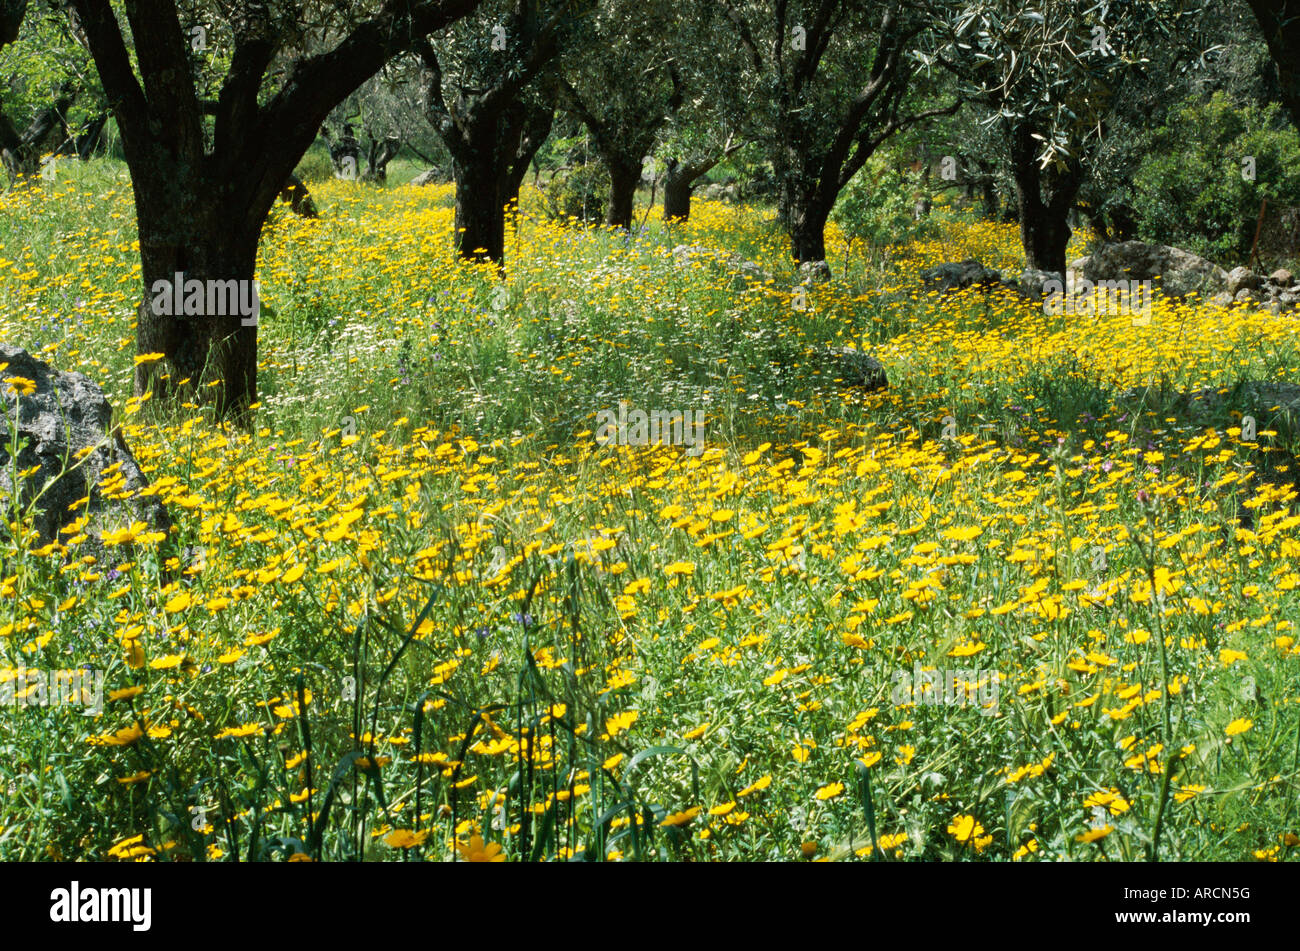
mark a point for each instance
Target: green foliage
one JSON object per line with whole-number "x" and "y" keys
{"x": 304, "y": 694}
{"x": 1191, "y": 191}
{"x": 43, "y": 62}
{"x": 577, "y": 193}
{"x": 876, "y": 206}
{"x": 751, "y": 169}
{"x": 315, "y": 165}
{"x": 1045, "y": 65}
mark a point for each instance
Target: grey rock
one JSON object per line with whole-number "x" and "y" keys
{"x": 685, "y": 253}
{"x": 748, "y": 269}
{"x": 816, "y": 271}
{"x": 957, "y": 275}
{"x": 66, "y": 415}
{"x": 1246, "y": 295}
{"x": 1242, "y": 278}
{"x": 1255, "y": 395}
{"x": 433, "y": 176}
{"x": 718, "y": 191}
{"x": 1223, "y": 300}
{"x": 856, "y": 368}
{"x": 688, "y": 251}
{"x": 1282, "y": 277}
{"x": 1032, "y": 282}
{"x": 1176, "y": 272}
{"x": 1273, "y": 403}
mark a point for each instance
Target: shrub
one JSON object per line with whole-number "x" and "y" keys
{"x": 1190, "y": 190}
{"x": 877, "y": 206}
{"x": 577, "y": 192}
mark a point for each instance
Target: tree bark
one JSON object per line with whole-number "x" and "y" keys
{"x": 480, "y": 171}
{"x": 1044, "y": 233}
{"x": 677, "y": 193}
{"x": 299, "y": 198}
{"x": 345, "y": 152}
{"x": 814, "y": 156}
{"x": 490, "y": 149}
{"x": 486, "y": 131}
{"x": 989, "y": 200}
{"x": 488, "y": 168}
{"x": 623, "y": 139}
{"x": 88, "y": 142}
{"x": 535, "y": 119}
{"x": 84, "y": 143}
{"x": 201, "y": 201}
{"x": 378, "y": 155}
{"x": 985, "y": 184}
{"x": 21, "y": 151}
{"x": 680, "y": 179}
{"x": 197, "y": 241}
{"x": 1279, "y": 21}
{"x": 803, "y": 208}
{"x": 624, "y": 176}
{"x": 808, "y": 230}
{"x": 1045, "y": 199}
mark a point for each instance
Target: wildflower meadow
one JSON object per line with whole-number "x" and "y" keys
{"x": 1023, "y": 604}
{"x": 661, "y": 434}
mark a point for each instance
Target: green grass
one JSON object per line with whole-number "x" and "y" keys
{"x": 454, "y": 412}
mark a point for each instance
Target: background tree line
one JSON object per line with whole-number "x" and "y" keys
{"x": 1130, "y": 115}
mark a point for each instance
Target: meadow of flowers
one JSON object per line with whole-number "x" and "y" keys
{"x": 419, "y": 613}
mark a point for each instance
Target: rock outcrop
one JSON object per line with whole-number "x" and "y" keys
{"x": 855, "y": 368}
{"x": 958, "y": 275}
{"x": 68, "y": 452}
{"x": 433, "y": 176}
{"x": 1173, "y": 271}
{"x": 1277, "y": 292}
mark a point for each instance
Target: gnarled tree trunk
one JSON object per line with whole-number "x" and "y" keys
{"x": 622, "y": 139}
{"x": 87, "y": 142}
{"x": 534, "y": 119}
{"x": 680, "y": 179}
{"x": 678, "y": 186}
{"x": 201, "y": 201}
{"x": 299, "y": 198}
{"x": 21, "y": 151}
{"x": 345, "y": 152}
{"x": 478, "y": 164}
{"x": 490, "y": 150}
{"x": 491, "y": 135}
{"x": 198, "y": 241}
{"x": 808, "y": 231}
{"x": 378, "y": 155}
{"x": 804, "y": 209}
{"x": 1045, "y": 199}
{"x": 1279, "y": 22}
{"x": 624, "y": 176}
